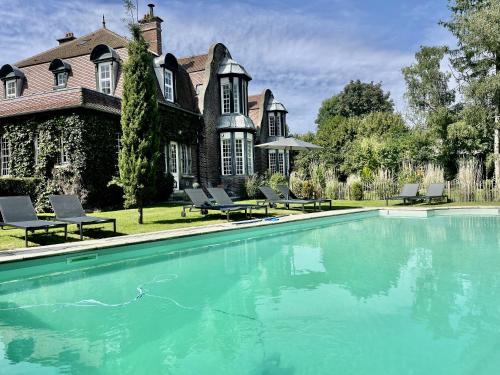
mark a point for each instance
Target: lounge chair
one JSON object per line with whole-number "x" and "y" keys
{"x": 225, "y": 200}
{"x": 200, "y": 201}
{"x": 435, "y": 191}
{"x": 409, "y": 192}
{"x": 288, "y": 194}
{"x": 18, "y": 212}
{"x": 69, "y": 209}
{"x": 274, "y": 199}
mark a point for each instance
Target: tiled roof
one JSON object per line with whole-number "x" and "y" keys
{"x": 193, "y": 63}
{"x": 253, "y": 101}
{"x": 78, "y": 47}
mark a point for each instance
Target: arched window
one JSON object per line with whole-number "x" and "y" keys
{"x": 107, "y": 63}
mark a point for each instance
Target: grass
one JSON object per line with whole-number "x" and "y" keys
{"x": 168, "y": 216}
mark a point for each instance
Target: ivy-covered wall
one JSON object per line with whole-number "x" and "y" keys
{"x": 90, "y": 140}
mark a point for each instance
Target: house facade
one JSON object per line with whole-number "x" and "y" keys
{"x": 60, "y": 115}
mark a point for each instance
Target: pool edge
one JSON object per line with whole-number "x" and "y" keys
{"x": 31, "y": 253}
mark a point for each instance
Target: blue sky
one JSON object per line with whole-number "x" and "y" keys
{"x": 305, "y": 51}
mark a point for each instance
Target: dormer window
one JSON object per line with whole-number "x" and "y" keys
{"x": 107, "y": 63}
{"x": 105, "y": 78}
{"x": 169, "y": 86}
{"x": 13, "y": 81}
{"x": 276, "y": 113}
{"x": 61, "y": 70}
{"x": 167, "y": 70}
{"x": 10, "y": 89}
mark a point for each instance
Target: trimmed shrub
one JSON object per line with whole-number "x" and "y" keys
{"x": 356, "y": 191}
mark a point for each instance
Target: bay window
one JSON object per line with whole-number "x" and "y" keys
{"x": 272, "y": 161}
{"x": 249, "y": 152}
{"x": 278, "y": 161}
{"x": 225, "y": 95}
{"x": 272, "y": 125}
{"x": 236, "y": 96}
{"x": 226, "y": 153}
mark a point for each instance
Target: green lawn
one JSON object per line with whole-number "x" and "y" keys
{"x": 166, "y": 216}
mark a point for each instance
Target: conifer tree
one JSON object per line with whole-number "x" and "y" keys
{"x": 140, "y": 148}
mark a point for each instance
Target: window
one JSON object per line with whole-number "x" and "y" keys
{"x": 36, "y": 150}
{"x": 244, "y": 96}
{"x": 225, "y": 141}
{"x": 105, "y": 85}
{"x": 173, "y": 157}
{"x": 61, "y": 79}
{"x": 10, "y": 89}
{"x": 169, "y": 86}
{"x": 238, "y": 153}
{"x": 186, "y": 161}
{"x": 272, "y": 125}
{"x": 5, "y": 156}
{"x": 281, "y": 162}
{"x": 278, "y": 125}
{"x": 249, "y": 154}
{"x": 272, "y": 161}
{"x": 236, "y": 95}
{"x": 226, "y": 95}
{"x": 63, "y": 153}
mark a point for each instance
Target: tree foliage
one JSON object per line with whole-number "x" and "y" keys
{"x": 426, "y": 85}
{"x": 356, "y": 99}
{"x": 140, "y": 146}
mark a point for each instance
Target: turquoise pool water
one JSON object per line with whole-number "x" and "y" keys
{"x": 370, "y": 296}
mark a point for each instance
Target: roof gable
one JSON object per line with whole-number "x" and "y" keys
{"x": 78, "y": 47}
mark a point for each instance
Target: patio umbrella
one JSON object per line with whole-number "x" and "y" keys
{"x": 289, "y": 144}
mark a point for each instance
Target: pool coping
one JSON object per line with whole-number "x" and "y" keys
{"x": 21, "y": 254}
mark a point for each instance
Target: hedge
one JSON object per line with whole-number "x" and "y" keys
{"x": 10, "y": 186}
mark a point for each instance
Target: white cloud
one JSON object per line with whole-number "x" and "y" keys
{"x": 303, "y": 58}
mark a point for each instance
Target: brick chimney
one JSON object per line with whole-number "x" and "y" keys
{"x": 67, "y": 38}
{"x": 151, "y": 30}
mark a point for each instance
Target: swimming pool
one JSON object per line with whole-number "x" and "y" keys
{"x": 356, "y": 294}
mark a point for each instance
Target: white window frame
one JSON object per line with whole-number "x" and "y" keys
{"x": 4, "y": 156}
{"x": 226, "y": 154}
{"x": 106, "y": 80}
{"x": 272, "y": 125}
{"x": 225, "y": 95}
{"x": 11, "y": 89}
{"x": 168, "y": 78}
{"x": 249, "y": 154}
{"x": 239, "y": 153}
{"x": 63, "y": 152}
{"x": 272, "y": 161}
{"x": 173, "y": 153}
{"x": 236, "y": 95}
{"x": 59, "y": 76}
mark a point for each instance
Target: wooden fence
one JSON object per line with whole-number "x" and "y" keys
{"x": 482, "y": 191}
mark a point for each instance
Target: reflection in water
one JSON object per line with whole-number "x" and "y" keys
{"x": 378, "y": 296}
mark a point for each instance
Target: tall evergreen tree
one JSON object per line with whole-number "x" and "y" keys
{"x": 476, "y": 25}
{"x": 140, "y": 147}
